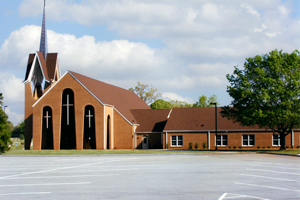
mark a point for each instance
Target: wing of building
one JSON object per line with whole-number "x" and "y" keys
{"x": 77, "y": 112}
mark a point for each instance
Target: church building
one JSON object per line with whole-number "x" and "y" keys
{"x": 73, "y": 111}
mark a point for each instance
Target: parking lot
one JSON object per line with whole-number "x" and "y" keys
{"x": 180, "y": 176}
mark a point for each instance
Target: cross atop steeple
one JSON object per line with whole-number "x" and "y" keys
{"x": 43, "y": 43}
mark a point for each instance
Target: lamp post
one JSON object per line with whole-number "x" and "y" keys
{"x": 4, "y": 108}
{"x": 216, "y": 120}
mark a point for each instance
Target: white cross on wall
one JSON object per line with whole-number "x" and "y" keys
{"x": 68, "y": 105}
{"x": 89, "y": 116}
{"x": 47, "y": 118}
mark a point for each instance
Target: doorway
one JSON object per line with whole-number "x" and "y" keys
{"x": 145, "y": 142}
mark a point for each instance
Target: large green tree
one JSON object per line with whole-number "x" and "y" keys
{"x": 146, "y": 92}
{"x": 205, "y": 102}
{"x": 161, "y": 104}
{"x": 266, "y": 92}
{"x": 4, "y": 130}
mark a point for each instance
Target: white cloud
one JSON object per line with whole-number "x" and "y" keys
{"x": 173, "y": 96}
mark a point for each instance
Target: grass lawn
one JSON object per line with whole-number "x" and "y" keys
{"x": 95, "y": 152}
{"x": 17, "y": 147}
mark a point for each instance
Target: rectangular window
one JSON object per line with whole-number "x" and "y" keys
{"x": 276, "y": 140}
{"x": 248, "y": 140}
{"x": 222, "y": 140}
{"x": 176, "y": 140}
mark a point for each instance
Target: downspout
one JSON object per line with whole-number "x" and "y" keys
{"x": 208, "y": 139}
{"x": 166, "y": 147}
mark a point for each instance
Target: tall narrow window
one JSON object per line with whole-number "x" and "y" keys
{"x": 68, "y": 136}
{"x": 47, "y": 129}
{"x": 108, "y": 133}
{"x": 89, "y": 140}
{"x": 276, "y": 140}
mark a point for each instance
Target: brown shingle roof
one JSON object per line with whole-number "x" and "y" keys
{"x": 151, "y": 120}
{"x": 43, "y": 63}
{"x": 51, "y": 65}
{"x": 48, "y": 66}
{"x": 200, "y": 118}
{"x": 123, "y": 100}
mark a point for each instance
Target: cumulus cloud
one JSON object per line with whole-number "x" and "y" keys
{"x": 202, "y": 41}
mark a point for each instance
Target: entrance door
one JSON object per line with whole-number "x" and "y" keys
{"x": 145, "y": 142}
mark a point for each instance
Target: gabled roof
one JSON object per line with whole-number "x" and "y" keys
{"x": 48, "y": 67}
{"x": 123, "y": 100}
{"x": 151, "y": 120}
{"x": 202, "y": 119}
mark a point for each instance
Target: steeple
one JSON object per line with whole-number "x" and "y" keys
{"x": 43, "y": 43}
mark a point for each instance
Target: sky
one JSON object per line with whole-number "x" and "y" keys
{"x": 182, "y": 48}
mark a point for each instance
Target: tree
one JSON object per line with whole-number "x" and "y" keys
{"x": 204, "y": 102}
{"x": 4, "y": 131}
{"x": 1, "y": 98}
{"x": 18, "y": 130}
{"x": 161, "y": 104}
{"x": 266, "y": 92}
{"x": 180, "y": 104}
{"x": 146, "y": 92}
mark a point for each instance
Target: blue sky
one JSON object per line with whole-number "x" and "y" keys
{"x": 183, "y": 48}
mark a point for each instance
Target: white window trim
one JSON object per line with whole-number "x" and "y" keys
{"x": 176, "y": 141}
{"x": 273, "y": 141}
{"x": 248, "y": 141}
{"x": 221, "y": 141}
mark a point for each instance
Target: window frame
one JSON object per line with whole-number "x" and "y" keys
{"x": 221, "y": 138}
{"x": 278, "y": 140}
{"x": 248, "y": 140}
{"x": 177, "y": 140}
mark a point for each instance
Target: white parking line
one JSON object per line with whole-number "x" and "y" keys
{"x": 45, "y": 184}
{"x": 48, "y": 170}
{"x": 238, "y": 196}
{"x": 263, "y": 186}
{"x": 262, "y": 170}
{"x": 71, "y": 176}
{"x": 281, "y": 179}
{"x": 9, "y": 194}
{"x": 275, "y": 166}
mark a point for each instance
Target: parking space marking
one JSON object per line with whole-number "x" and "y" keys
{"x": 24, "y": 193}
{"x": 262, "y": 170}
{"x": 49, "y": 170}
{"x": 238, "y": 196}
{"x": 281, "y": 179}
{"x": 263, "y": 186}
{"x": 71, "y": 176}
{"x": 275, "y": 166}
{"x": 45, "y": 184}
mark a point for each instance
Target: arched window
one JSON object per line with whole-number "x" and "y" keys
{"x": 68, "y": 136}
{"x": 89, "y": 139}
{"x": 47, "y": 129}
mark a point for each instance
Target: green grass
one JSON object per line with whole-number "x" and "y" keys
{"x": 98, "y": 152}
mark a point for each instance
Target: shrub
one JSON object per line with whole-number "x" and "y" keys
{"x": 190, "y": 145}
{"x": 240, "y": 147}
{"x": 229, "y": 147}
{"x": 269, "y": 147}
{"x": 263, "y": 147}
{"x": 196, "y": 145}
{"x": 204, "y": 145}
{"x": 292, "y": 147}
{"x": 234, "y": 147}
{"x": 298, "y": 147}
{"x": 167, "y": 145}
{"x": 287, "y": 147}
{"x": 258, "y": 147}
{"x": 21, "y": 136}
